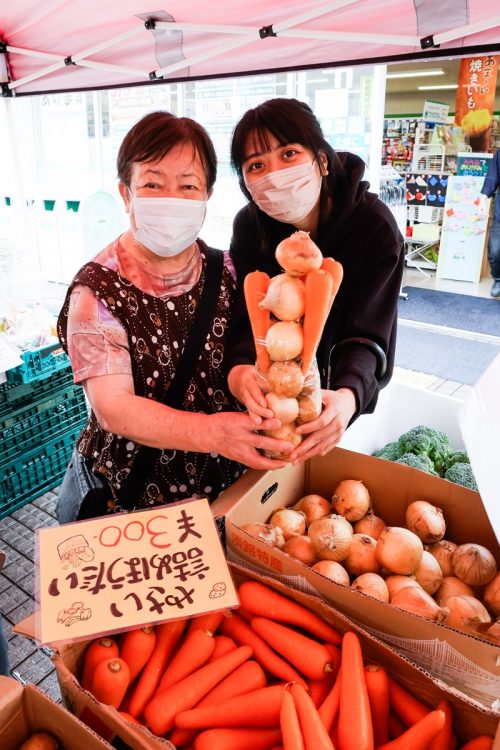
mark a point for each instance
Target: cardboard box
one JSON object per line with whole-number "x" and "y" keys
{"x": 25, "y": 709}
{"x": 465, "y": 661}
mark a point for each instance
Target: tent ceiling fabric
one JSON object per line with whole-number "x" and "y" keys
{"x": 66, "y": 45}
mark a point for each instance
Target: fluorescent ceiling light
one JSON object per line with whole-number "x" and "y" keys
{"x": 416, "y": 73}
{"x": 436, "y": 88}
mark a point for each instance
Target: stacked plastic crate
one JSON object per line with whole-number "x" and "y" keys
{"x": 41, "y": 414}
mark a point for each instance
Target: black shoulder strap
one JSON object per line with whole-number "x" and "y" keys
{"x": 174, "y": 396}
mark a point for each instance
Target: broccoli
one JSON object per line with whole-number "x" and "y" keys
{"x": 390, "y": 452}
{"x": 457, "y": 457}
{"x": 417, "y": 461}
{"x": 426, "y": 441}
{"x": 461, "y": 473}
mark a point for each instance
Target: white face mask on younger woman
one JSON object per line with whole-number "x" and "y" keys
{"x": 288, "y": 195}
{"x": 167, "y": 226}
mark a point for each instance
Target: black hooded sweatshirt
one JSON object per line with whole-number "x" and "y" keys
{"x": 361, "y": 234}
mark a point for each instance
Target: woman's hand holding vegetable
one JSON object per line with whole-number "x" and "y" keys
{"x": 323, "y": 434}
{"x": 247, "y": 386}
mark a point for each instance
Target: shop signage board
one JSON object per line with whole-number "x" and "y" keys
{"x": 475, "y": 165}
{"x": 123, "y": 571}
{"x": 435, "y": 112}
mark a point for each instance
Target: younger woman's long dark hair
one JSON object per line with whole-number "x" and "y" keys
{"x": 289, "y": 121}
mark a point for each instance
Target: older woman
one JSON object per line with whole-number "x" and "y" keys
{"x": 145, "y": 325}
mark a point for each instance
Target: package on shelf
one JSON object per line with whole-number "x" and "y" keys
{"x": 25, "y": 710}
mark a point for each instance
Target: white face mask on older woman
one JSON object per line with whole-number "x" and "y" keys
{"x": 288, "y": 195}
{"x": 167, "y": 226}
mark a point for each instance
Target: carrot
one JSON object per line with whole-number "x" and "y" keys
{"x": 377, "y": 684}
{"x": 313, "y": 730}
{"x": 255, "y": 287}
{"x": 332, "y": 267}
{"x": 483, "y": 742}
{"x": 420, "y": 735}
{"x": 222, "y": 645}
{"x": 209, "y": 621}
{"x": 319, "y": 689}
{"x": 237, "y": 739}
{"x": 136, "y": 648}
{"x": 259, "y": 708}
{"x": 318, "y": 301}
{"x": 110, "y": 681}
{"x": 265, "y": 602}
{"x": 164, "y": 707}
{"x": 167, "y": 636}
{"x": 307, "y": 656}
{"x": 289, "y": 723}
{"x": 250, "y": 676}
{"x": 445, "y": 740}
{"x": 355, "y": 724}
{"x": 406, "y": 706}
{"x": 246, "y": 614}
{"x": 195, "y": 650}
{"x": 396, "y": 726}
{"x": 98, "y": 650}
{"x": 269, "y": 660}
{"x": 328, "y": 711}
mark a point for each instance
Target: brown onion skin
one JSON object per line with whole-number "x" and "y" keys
{"x": 301, "y": 549}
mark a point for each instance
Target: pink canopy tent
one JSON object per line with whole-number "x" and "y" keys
{"x": 66, "y": 45}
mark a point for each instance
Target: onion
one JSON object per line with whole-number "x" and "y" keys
{"x": 399, "y": 550}
{"x": 291, "y": 522}
{"x": 310, "y": 407}
{"x": 331, "y": 537}
{"x": 397, "y": 582}
{"x": 417, "y": 601}
{"x": 285, "y": 378}
{"x": 314, "y": 507}
{"x": 491, "y": 595}
{"x": 284, "y": 341}
{"x": 351, "y": 499}
{"x": 452, "y": 586}
{"x": 426, "y": 521}
{"x": 466, "y": 612}
{"x": 285, "y": 432}
{"x": 443, "y": 551}
{"x": 373, "y": 585}
{"x": 298, "y": 254}
{"x": 361, "y": 556}
{"x": 474, "y": 564}
{"x": 285, "y": 297}
{"x": 285, "y": 409}
{"x": 429, "y": 574}
{"x": 332, "y": 570}
{"x": 266, "y": 533}
{"x": 370, "y": 524}
{"x": 301, "y": 549}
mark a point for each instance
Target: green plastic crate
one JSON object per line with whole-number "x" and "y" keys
{"x": 13, "y": 396}
{"x": 41, "y": 469}
{"x": 38, "y": 363}
{"x": 44, "y": 419}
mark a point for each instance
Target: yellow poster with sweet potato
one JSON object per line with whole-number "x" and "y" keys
{"x": 475, "y": 99}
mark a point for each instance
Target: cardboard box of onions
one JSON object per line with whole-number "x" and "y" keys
{"x": 417, "y": 568}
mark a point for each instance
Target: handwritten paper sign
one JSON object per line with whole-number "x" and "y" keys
{"x": 124, "y": 571}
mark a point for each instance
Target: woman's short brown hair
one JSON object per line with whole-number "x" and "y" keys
{"x": 157, "y": 133}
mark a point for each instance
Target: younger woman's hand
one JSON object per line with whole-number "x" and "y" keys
{"x": 248, "y": 386}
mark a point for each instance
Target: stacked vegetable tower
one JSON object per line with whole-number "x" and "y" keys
{"x": 288, "y": 313}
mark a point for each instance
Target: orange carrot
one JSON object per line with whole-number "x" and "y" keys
{"x": 329, "y": 709}
{"x": 209, "y": 621}
{"x": 406, "y": 706}
{"x": 355, "y": 723}
{"x": 162, "y": 710}
{"x": 111, "y": 680}
{"x": 255, "y": 287}
{"x": 195, "y": 650}
{"x": 377, "y": 684}
{"x": 332, "y": 267}
{"x": 167, "y": 636}
{"x": 247, "y": 738}
{"x": 258, "y": 708}
{"x": 250, "y": 676}
{"x": 313, "y": 730}
{"x": 307, "y": 656}
{"x": 396, "y": 726}
{"x": 246, "y": 614}
{"x": 420, "y": 735}
{"x": 98, "y": 650}
{"x": 137, "y": 646}
{"x": 222, "y": 645}
{"x": 245, "y": 635}
{"x": 483, "y": 742}
{"x": 263, "y": 601}
{"x": 445, "y": 740}
{"x": 289, "y": 723}
{"x": 318, "y": 302}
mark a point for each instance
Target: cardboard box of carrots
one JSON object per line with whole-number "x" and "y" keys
{"x": 284, "y": 670}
